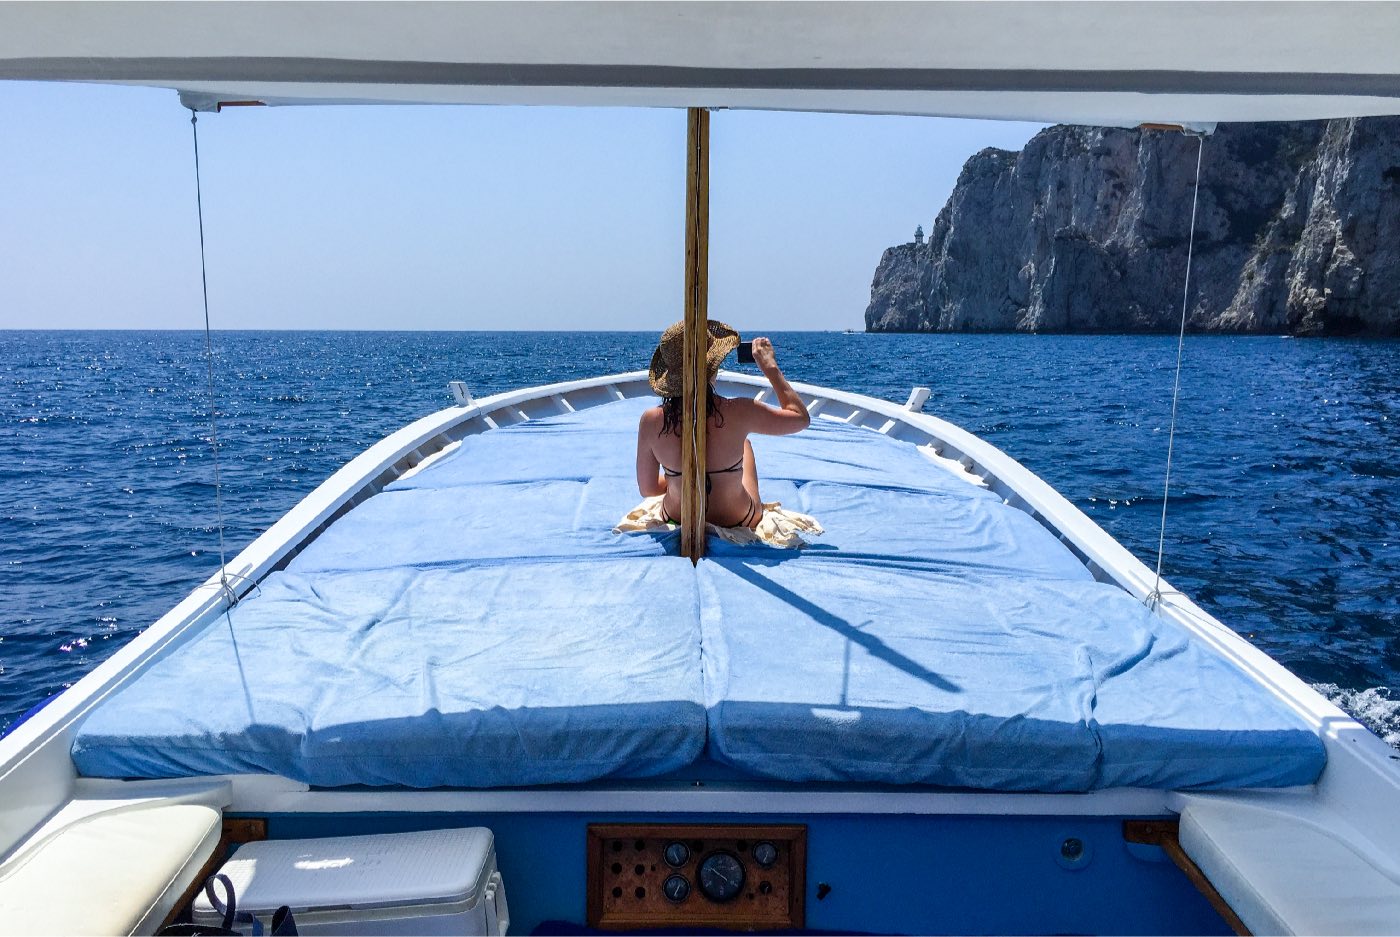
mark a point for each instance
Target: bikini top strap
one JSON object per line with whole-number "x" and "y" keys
{"x": 733, "y": 468}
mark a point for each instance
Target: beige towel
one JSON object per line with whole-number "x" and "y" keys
{"x": 777, "y": 528}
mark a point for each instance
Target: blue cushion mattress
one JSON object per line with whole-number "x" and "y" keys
{"x": 868, "y": 671}
{"x": 500, "y": 522}
{"x": 599, "y": 441}
{"x": 834, "y": 452}
{"x": 478, "y": 625}
{"x": 498, "y": 675}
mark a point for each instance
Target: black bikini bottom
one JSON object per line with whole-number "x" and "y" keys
{"x": 748, "y": 515}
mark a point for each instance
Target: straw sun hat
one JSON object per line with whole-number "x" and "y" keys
{"x": 668, "y": 362}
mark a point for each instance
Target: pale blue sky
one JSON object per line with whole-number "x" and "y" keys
{"x": 449, "y": 217}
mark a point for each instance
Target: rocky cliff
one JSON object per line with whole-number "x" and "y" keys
{"x": 1084, "y": 230}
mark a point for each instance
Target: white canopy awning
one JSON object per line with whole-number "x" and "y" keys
{"x": 1109, "y": 63}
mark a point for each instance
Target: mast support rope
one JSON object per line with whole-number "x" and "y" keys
{"x": 1154, "y": 598}
{"x": 231, "y": 596}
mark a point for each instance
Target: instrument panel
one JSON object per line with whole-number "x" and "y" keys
{"x": 702, "y": 875}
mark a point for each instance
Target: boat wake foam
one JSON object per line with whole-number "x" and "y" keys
{"x": 1376, "y": 708}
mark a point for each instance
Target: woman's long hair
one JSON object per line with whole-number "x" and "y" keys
{"x": 671, "y": 412}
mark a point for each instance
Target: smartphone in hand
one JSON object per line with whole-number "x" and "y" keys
{"x": 746, "y": 352}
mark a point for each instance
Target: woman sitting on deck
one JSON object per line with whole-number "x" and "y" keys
{"x": 731, "y": 479}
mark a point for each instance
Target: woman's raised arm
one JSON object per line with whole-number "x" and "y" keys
{"x": 791, "y": 416}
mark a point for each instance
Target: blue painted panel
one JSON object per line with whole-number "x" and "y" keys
{"x": 886, "y": 874}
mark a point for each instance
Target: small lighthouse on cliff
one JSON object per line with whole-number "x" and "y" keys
{"x": 919, "y": 236}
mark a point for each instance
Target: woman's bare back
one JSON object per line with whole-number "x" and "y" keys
{"x": 732, "y": 497}
{"x": 731, "y": 473}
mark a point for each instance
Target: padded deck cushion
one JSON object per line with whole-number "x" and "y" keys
{"x": 119, "y": 872}
{"x": 1284, "y": 875}
{"x": 958, "y": 531}
{"x": 478, "y": 624}
{"x": 599, "y": 441}
{"x": 550, "y": 518}
{"x": 861, "y": 671}
{"x": 526, "y": 673}
{"x": 835, "y": 452}
{"x": 546, "y": 488}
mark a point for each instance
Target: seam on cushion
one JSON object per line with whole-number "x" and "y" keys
{"x": 888, "y": 764}
{"x": 360, "y": 753}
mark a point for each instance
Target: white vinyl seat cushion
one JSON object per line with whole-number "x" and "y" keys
{"x": 117, "y": 873}
{"x": 1285, "y": 875}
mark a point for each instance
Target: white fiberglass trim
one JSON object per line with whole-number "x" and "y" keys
{"x": 263, "y": 794}
{"x": 671, "y": 797}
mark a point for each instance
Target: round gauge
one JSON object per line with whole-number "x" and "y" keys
{"x": 677, "y": 889}
{"x": 677, "y": 854}
{"x": 721, "y": 877}
{"x": 765, "y": 854}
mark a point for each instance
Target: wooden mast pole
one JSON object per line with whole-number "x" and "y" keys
{"x": 697, "y": 267}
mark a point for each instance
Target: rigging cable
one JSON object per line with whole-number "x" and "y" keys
{"x": 209, "y": 367}
{"x": 1155, "y": 596}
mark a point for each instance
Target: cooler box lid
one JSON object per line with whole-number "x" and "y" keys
{"x": 386, "y": 870}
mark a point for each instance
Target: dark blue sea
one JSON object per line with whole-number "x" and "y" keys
{"x": 1283, "y": 520}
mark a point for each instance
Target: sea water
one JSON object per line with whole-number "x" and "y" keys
{"x": 1281, "y": 522}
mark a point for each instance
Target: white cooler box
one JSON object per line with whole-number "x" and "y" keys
{"x": 434, "y": 882}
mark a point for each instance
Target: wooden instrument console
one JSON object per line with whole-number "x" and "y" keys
{"x": 708, "y": 875}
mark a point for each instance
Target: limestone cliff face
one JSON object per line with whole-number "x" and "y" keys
{"x": 1297, "y": 231}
